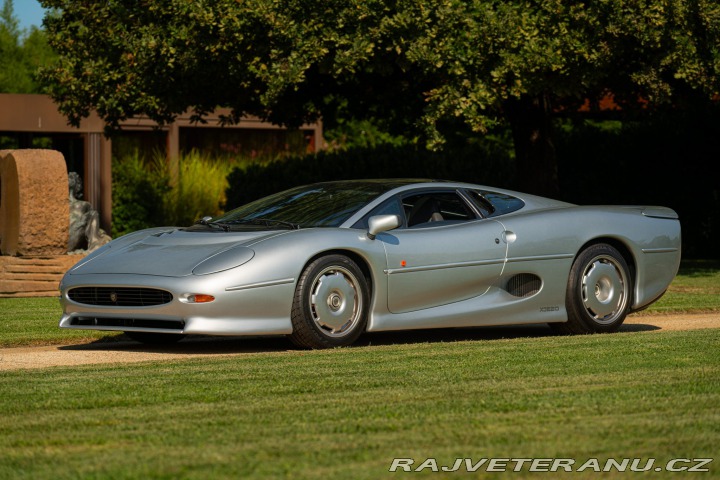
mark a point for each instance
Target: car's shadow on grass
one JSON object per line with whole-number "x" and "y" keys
{"x": 473, "y": 333}
{"x": 192, "y": 344}
{"x": 208, "y": 345}
{"x": 638, "y": 327}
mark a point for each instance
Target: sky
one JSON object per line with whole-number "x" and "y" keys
{"x": 29, "y": 12}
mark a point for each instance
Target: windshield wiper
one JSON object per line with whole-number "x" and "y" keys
{"x": 205, "y": 221}
{"x": 268, "y": 222}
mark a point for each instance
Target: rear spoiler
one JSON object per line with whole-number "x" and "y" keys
{"x": 660, "y": 212}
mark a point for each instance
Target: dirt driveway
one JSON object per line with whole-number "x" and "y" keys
{"x": 198, "y": 347}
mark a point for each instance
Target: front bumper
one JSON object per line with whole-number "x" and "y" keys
{"x": 257, "y": 308}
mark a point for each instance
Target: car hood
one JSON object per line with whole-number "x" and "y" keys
{"x": 173, "y": 253}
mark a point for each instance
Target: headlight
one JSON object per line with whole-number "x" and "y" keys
{"x": 226, "y": 260}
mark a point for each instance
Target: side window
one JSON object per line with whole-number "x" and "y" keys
{"x": 493, "y": 204}
{"x": 486, "y": 208}
{"x": 425, "y": 209}
{"x": 390, "y": 206}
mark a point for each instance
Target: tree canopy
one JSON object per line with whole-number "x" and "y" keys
{"x": 424, "y": 66}
{"x": 21, "y": 53}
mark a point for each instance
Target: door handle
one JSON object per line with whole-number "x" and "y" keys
{"x": 508, "y": 236}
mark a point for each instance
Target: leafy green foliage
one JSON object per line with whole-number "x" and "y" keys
{"x": 198, "y": 190}
{"x": 424, "y": 67}
{"x": 157, "y": 192}
{"x": 139, "y": 188}
{"x": 367, "y": 133}
{"x": 21, "y": 54}
{"x": 418, "y": 62}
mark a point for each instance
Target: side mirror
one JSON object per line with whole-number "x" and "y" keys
{"x": 382, "y": 223}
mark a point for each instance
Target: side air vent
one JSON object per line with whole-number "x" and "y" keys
{"x": 524, "y": 285}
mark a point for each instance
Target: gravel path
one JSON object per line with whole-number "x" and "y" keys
{"x": 203, "y": 347}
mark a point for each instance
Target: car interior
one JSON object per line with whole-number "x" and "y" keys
{"x": 427, "y": 209}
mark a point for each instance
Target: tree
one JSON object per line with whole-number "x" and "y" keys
{"x": 421, "y": 65}
{"x": 11, "y": 74}
{"x": 21, "y": 53}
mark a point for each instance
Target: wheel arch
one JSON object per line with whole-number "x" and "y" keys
{"x": 621, "y": 247}
{"x": 359, "y": 260}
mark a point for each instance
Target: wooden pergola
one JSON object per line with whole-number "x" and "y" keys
{"x": 28, "y": 116}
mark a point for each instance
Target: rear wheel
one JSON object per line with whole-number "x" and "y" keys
{"x": 330, "y": 304}
{"x": 598, "y": 293}
{"x": 151, "y": 338}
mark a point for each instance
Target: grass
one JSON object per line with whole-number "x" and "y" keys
{"x": 346, "y": 413}
{"x": 33, "y": 321}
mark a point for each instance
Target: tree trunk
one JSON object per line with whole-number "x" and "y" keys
{"x": 535, "y": 158}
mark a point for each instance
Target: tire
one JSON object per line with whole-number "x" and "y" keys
{"x": 150, "y": 338}
{"x": 330, "y": 304}
{"x": 599, "y": 292}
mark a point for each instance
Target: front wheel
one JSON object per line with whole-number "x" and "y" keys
{"x": 598, "y": 293}
{"x": 330, "y": 304}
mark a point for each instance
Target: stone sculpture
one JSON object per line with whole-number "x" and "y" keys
{"x": 85, "y": 231}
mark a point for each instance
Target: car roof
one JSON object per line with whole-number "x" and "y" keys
{"x": 396, "y": 186}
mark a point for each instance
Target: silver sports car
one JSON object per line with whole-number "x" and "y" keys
{"x": 324, "y": 263}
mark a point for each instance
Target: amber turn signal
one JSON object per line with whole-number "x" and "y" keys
{"x": 200, "y": 298}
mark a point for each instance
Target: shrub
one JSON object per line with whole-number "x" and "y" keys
{"x": 198, "y": 190}
{"x": 139, "y": 188}
{"x": 147, "y": 193}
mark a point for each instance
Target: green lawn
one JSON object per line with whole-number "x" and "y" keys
{"x": 346, "y": 413}
{"x": 34, "y": 321}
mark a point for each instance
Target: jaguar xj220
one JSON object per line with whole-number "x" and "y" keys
{"x": 326, "y": 262}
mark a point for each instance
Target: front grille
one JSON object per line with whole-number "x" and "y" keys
{"x": 128, "y": 322}
{"x": 120, "y": 296}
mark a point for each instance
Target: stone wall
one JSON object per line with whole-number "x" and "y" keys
{"x": 34, "y": 276}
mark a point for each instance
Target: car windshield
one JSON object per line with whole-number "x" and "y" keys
{"x": 319, "y": 205}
